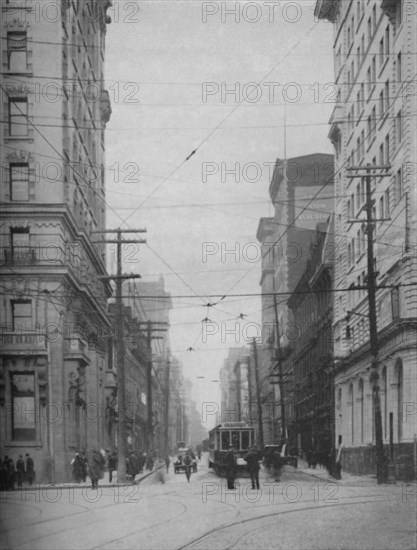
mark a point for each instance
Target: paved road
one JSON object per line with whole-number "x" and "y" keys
{"x": 299, "y": 511}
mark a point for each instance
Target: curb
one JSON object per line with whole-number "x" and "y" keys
{"x": 46, "y": 486}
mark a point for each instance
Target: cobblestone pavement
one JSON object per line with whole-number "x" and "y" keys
{"x": 303, "y": 510}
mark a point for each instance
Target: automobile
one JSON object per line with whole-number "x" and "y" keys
{"x": 179, "y": 465}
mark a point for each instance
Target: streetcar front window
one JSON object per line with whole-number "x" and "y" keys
{"x": 235, "y": 440}
{"x": 225, "y": 440}
{"x": 245, "y": 440}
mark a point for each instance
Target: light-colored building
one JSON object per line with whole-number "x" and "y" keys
{"x": 373, "y": 123}
{"x": 54, "y": 305}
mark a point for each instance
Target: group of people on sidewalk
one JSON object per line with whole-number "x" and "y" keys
{"x": 23, "y": 471}
{"x": 92, "y": 464}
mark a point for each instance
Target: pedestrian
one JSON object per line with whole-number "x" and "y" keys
{"x": 77, "y": 468}
{"x": 11, "y": 474}
{"x": 84, "y": 466}
{"x": 111, "y": 464}
{"x": 3, "y": 474}
{"x": 167, "y": 461}
{"x": 96, "y": 465}
{"x": 253, "y": 466}
{"x": 188, "y": 461}
{"x": 20, "y": 467}
{"x": 30, "y": 468}
{"x": 230, "y": 468}
{"x": 149, "y": 461}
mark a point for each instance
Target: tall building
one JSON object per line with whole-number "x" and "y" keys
{"x": 301, "y": 192}
{"x": 312, "y": 355}
{"x": 54, "y": 320}
{"x": 373, "y": 124}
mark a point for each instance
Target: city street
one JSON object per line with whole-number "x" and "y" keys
{"x": 300, "y": 511}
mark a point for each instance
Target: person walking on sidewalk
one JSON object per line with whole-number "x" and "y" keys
{"x": 20, "y": 467}
{"x": 95, "y": 467}
{"x": 253, "y": 466}
{"x": 30, "y": 469}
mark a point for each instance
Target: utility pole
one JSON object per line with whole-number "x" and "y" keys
{"x": 258, "y": 396}
{"x": 120, "y": 350}
{"x": 381, "y": 467}
{"x": 167, "y": 408}
{"x": 280, "y": 375}
{"x": 149, "y": 368}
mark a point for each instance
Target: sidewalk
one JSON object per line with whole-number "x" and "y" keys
{"x": 103, "y": 483}
{"x": 347, "y": 478}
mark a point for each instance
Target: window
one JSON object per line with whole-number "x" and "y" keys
{"x": 363, "y": 46}
{"x": 387, "y": 204}
{"x": 381, "y": 154}
{"x": 358, "y": 196}
{"x": 381, "y": 52}
{"x": 358, "y": 151}
{"x": 369, "y": 128}
{"x": 399, "y": 127}
{"x": 18, "y": 122}
{"x": 381, "y": 104}
{"x": 386, "y": 96}
{"x": 22, "y": 315}
{"x": 369, "y": 30}
{"x": 19, "y": 182}
{"x": 373, "y": 75}
{"x": 359, "y": 244}
{"x": 398, "y": 13}
{"x": 374, "y": 18}
{"x": 399, "y": 69}
{"x": 17, "y": 51}
{"x": 369, "y": 78}
{"x": 387, "y": 45}
{"x": 23, "y": 406}
{"x": 362, "y": 144}
{"x": 387, "y": 150}
{"x": 373, "y": 119}
{"x": 381, "y": 207}
{"x": 398, "y": 185}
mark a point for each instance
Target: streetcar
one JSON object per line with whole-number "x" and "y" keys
{"x": 239, "y": 435}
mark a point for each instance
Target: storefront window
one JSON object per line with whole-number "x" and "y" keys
{"x": 23, "y": 407}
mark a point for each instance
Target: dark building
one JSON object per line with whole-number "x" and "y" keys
{"x": 312, "y": 351}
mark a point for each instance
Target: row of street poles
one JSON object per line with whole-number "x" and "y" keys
{"x": 367, "y": 173}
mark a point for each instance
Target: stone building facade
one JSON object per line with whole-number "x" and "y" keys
{"x": 53, "y": 357}
{"x": 373, "y": 124}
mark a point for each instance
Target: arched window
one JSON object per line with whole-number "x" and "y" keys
{"x": 361, "y": 411}
{"x": 352, "y": 424}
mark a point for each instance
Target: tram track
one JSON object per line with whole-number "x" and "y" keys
{"x": 206, "y": 537}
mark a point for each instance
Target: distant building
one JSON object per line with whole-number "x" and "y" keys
{"x": 301, "y": 192}
{"x": 312, "y": 354}
{"x": 373, "y": 123}
{"x": 53, "y": 358}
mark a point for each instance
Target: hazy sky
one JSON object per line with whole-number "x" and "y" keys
{"x": 160, "y": 59}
